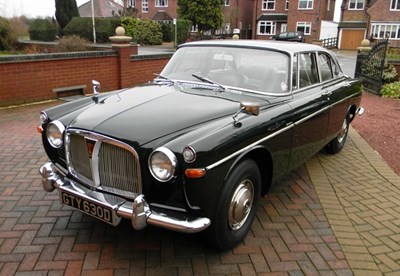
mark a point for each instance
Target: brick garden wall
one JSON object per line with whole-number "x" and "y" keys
{"x": 31, "y": 78}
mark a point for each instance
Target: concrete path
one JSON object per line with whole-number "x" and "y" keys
{"x": 337, "y": 215}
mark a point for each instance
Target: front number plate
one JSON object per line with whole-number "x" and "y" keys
{"x": 96, "y": 210}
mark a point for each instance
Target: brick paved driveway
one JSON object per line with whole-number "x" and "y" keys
{"x": 299, "y": 230}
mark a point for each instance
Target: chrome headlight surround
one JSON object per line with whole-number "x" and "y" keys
{"x": 162, "y": 164}
{"x": 54, "y": 133}
{"x": 44, "y": 118}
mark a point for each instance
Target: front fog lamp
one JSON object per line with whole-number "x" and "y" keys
{"x": 54, "y": 133}
{"x": 162, "y": 164}
{"x": 189, "y": 154}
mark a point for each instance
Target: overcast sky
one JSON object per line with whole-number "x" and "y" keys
{"x": 43, "y": 8}
{"x": 30, "y": 8}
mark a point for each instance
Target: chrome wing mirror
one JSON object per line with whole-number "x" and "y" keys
{"x": 96, "y": 91}
{"x": 248, "y": 108}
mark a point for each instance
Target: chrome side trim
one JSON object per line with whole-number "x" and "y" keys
{"x": 223, "y": 160}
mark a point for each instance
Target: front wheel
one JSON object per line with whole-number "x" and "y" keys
{"x": 338, "y": 142}
{"x": 237, "y": 206}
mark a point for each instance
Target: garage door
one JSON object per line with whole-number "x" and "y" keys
{"x": 351, "y": 39}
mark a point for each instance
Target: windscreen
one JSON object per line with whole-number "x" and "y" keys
{"x": 246, "y": 68}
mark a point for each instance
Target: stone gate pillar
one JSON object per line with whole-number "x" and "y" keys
{"x": 122, "y": 44}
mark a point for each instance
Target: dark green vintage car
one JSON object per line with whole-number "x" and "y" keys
{"x": 197, "y": 148}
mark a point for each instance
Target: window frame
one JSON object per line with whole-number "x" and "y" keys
{"x": 307, "y": 4}
{"x": 132, "y": 3}
{"x": 379, "y": 30}
{"x": 306, "y": 25}
{"x": 145, "y": 6}
{"x": 286, "y": 5}
{"x": 267, "y": 23}
{"x": 395, "y": 5}
{"x": 266, "y": 3}
{"x": 158, "y": 3}
{"x": 226, "y": 3}
{"x": 356, "y": 2}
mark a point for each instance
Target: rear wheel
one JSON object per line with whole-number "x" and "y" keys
{"x": 237, "y": 206}
{"x": 338, "y": 142}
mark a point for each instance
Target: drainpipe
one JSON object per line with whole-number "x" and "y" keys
{"x": 368, "y": 21}
{"x": 255, "y": 11}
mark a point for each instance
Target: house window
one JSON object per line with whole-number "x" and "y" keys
{"x": 304, "y": 27}
{"x": 306, "y": 4}
{"x": 161, "y": 3}
{"x": 381, "y": 31}
{"x": 145, "y": 5}
{"x": 132, "y": 3}
{"x": 226, "y": 3}
{"x": 395, "y": 5}
{"x": 286, "y": 5}
{"x": 356, "y": 4}
{"x": 268, "y": 4}
{"x": 266, "y": 27}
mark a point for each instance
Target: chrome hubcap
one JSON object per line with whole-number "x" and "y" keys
{"x": 241, "y": 204}
{"x": 343, "y": 131}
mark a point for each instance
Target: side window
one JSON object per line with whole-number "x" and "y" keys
{"x": 308, "y": 73}
{"x": 337, "y": 72}
{"x": 325, "y": 67}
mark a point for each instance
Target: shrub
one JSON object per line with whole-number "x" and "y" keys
{"x": 43, "y": 29}
{"x": 4, "y": 34}
{"x": 168, "y": 32}
{"x": 72, "y": 43}
{"x": 83, "y": 27}
{"x": 391, "y": 90}
{"x": 389, "y": 73}
{"x": 371, "y": 66}
{"x": 183, "y": 28}
{"x": 145, "y": 31}
{"x": 393, "y": 54}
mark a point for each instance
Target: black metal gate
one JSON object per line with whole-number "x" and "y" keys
{"x": 370, "y": 65}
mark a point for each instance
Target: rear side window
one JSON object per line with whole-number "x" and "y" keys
{"x": 308, "y": 73}
{"x": 325, "y": 66}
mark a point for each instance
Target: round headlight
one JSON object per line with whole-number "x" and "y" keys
{"x": 54, "y": 133}
{"x": 162, "y": 164}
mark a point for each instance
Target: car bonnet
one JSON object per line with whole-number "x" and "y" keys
{"x": 146, "y": 113}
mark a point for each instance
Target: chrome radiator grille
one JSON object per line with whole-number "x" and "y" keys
{"x": 103, "y": 162}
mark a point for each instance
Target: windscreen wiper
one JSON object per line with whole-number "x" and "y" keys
{"x": 204, "y": 79}
{"x": 161, "y": 77}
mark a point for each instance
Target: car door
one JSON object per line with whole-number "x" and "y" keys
{"x": 310, "y": 108}
{"x": 336, "y": 89}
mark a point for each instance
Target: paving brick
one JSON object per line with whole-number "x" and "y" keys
{"x": 29, "y": 262}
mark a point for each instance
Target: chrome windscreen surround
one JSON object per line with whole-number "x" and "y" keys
{"x": 103, "y": 162}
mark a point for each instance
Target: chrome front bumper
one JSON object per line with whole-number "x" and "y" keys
{"x": 138, "y": 211}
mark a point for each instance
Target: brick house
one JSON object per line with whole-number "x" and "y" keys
{"x": 276, "y": 16}
{"x": 369, "y": 19}
{"x": 237, "y": 13}
{"x": 101, "y": 8}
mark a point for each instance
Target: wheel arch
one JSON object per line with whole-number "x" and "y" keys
{"x": 263, "y": 159}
